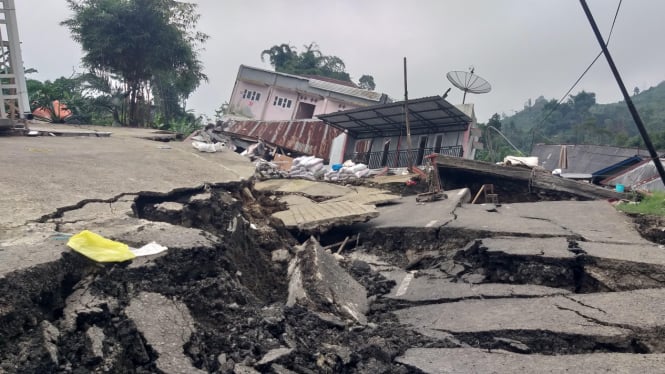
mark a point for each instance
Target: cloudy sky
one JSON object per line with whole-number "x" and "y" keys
{"x": 524, "y": 48}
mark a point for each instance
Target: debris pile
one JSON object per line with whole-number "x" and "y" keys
{"x": 268, "y": 170}
{"x": 211, "y": 139}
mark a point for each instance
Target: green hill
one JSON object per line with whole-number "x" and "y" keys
{"x": 580, "y": 120}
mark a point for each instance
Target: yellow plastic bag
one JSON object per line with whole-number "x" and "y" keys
{"x": 98, "y": 248}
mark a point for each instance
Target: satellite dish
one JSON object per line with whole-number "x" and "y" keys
{"x": 467, "y": 81}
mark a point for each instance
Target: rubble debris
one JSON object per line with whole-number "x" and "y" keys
{"x": 211, "y": 139}
{"x": 317, "y": 281}
{"x": 269, "y": 170}
{"x": 274, "y": 355}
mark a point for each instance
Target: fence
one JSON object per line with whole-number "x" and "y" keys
{"x": 400, "y": 159}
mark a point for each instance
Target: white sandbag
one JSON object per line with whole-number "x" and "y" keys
{"x": 313, "y": 161}
{"x": 358, "y": 167}
{"x": 348, "y": 163}
{"x": 361, "y": 173}
{"x": 208, "y": 147}
{"x": 531, "y": 162}
{"x": 316, "y": 167}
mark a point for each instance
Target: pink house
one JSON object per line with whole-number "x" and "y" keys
{"x": 266, "y": 95}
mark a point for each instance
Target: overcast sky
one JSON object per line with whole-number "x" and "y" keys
{"x": 524, "y": 48}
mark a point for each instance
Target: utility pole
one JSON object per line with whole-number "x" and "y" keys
{"x": 626, "y": 96}
{"x": 406, "y": 119}
{"x": 13, "y": 89}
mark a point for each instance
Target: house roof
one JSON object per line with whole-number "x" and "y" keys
{"x": 429, "y": 115}
{"x": 310, "y": 137}
{"x": 638, "y": 176}
{"x": 322, "y": 83}
{"x": 583, "y": 158}
{"x": 346, "y": 90}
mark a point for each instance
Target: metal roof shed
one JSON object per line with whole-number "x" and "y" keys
{"x": 429, "y": 115}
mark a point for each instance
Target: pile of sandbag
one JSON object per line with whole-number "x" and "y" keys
{"x": 307, "y": 167}
{"x": 349, "y": 170}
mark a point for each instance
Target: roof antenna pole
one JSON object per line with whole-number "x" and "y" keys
{"x": 626, "y": 96}
{"x": 406, "y": 120}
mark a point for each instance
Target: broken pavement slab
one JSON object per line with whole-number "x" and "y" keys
{"x": 419, "y": 287}
{"x": 303, "y": 187}
{"x": 321, "y": 217}
{"x": 472, "y": 360}
{"x": 318, "y": 282}
{"x": 366, "y": 196}
{"x": 600, "y": 222}
{"x": 55, "y": 164}
{"x": 166, "y": 326}
{"x": 407, "y": 212}
{"x": 602, "y": 318}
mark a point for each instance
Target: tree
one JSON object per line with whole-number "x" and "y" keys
{"x": 367, "y": 82}
{"x": 285, "y": 59}
{"x": 150, "y": 45}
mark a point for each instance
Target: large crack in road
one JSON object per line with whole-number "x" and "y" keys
{"x": 478, "y": 292}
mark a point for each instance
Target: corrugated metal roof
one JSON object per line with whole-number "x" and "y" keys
{"x": 306, "y": 136}
{"x": 429, "y": 115}
{"x": 345, "y": 90}
{"x": 641, "y": 176}
{"x": 583, "y": 158}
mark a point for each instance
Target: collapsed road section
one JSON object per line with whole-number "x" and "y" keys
{"x": 440, "y": 287}
{"x": 237, "y": 293}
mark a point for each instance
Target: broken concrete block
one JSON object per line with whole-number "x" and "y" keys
{"x": 166, "y": 326}
{"x": 40, "y": 353}
{"x": 279, "y": 369}
{"x": 317, "y": 282}
{"x": 169, "y": 206}
{"x": 242, "y": 369}
{"x": 280, "y": 255}
{"x": 274, "y": 355}
{"x": 452, "y": 268}
{"x": 95, "y": 336}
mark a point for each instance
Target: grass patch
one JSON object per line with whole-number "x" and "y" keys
{"x": 653, "y": 204}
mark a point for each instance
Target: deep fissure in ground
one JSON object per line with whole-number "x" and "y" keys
{"x": 235, "y": 293}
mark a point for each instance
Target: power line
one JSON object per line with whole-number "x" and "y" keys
{"x": 607, "y": 41}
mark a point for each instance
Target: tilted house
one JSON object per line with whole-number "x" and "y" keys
{"x": 338, "y": 121}
{"x": 264, "y": 95}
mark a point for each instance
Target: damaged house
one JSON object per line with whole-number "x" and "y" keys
{"x": 376, "y": 135}
{"x": 280, "y": 109}
{"x": 264, "y": 95}
{"x": 337, "y": 121}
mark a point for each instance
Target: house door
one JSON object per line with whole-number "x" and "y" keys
{"x": 305, "y": 111}
{"x": 437, "y": 143}
{"x": 384, "y": 155}
{"x": 421, "y": 150}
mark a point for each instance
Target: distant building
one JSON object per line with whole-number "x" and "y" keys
{"x": 265, "y": 95}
